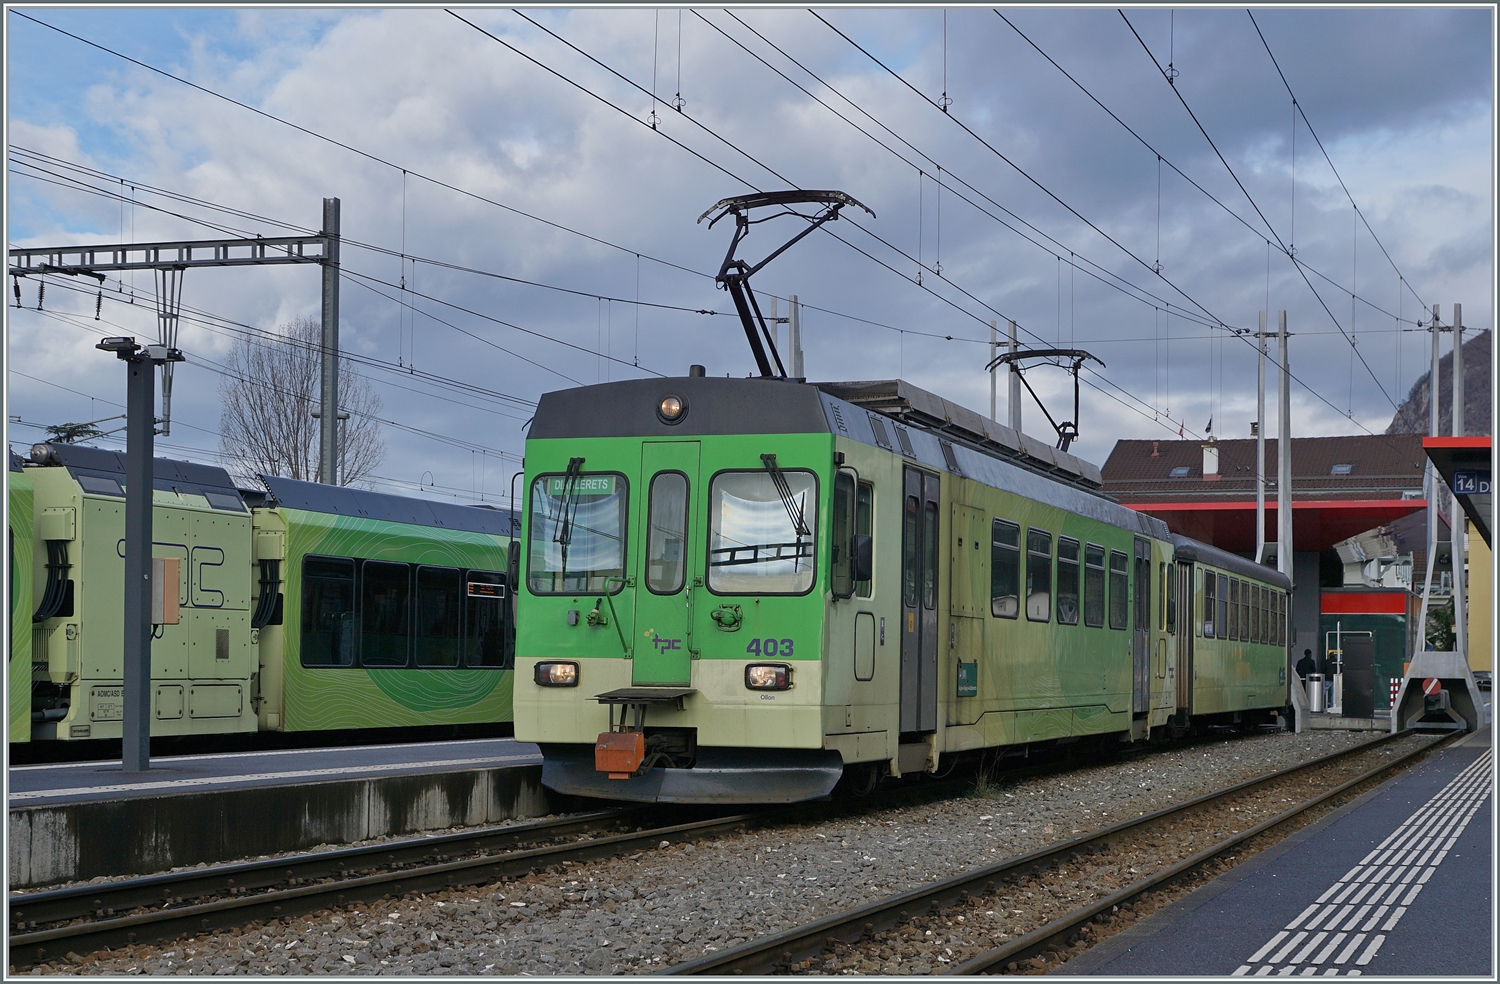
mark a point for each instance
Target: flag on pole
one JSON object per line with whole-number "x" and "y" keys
{"x": 1179, "y": 429}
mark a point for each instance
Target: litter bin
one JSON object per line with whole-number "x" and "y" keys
{"x": 1315, "y": 694}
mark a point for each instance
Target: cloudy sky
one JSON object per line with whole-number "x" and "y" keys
{"x": 1068, "y": 186}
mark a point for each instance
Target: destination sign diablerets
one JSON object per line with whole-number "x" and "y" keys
{"x": 582, "y": 485}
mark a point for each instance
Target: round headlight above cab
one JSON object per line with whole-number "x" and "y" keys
{"x": 671, "y": 409}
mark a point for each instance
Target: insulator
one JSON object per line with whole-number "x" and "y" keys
{"x": 17, "y": 282}
{"x": 98, "y": 303}
{"x": 41, "y": 291}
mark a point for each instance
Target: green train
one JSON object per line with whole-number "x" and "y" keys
{"x": 304, "y": 608}
{"x": 749, "y": 590}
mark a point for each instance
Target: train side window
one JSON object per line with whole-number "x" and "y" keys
{"x": 1067, "y": 581}
{"x": 484, "y": 620}
{"x": 1038, "y": 576}
{"x": 1260, "y": 614}
{"x": 666, "y": 533}
{"x": 1209, "y": 606}
{"x": 1093, "y": 585}
{"x": 842, "y": 569}
{"x": 929, "y": 555}
{"x": 1169, "y": 596}
{"x": 909, "y": 569}
{"x": 1161, "y": 614}
{"x": 1119, "y": 590}
{"x": 327, "y": 611}
{"x": 1206, "y": 626}
{"x": 1223, "y": 619}
{"x": 1281, "y": 622}
{"x": 864, "y": 523}
{"x": 1005, "y": 569}
{"x": 1245, "y": 622}
{"x": 1234, "y": 609}
{"x": 384, "y": 614}
{"x": 439, "y": 621}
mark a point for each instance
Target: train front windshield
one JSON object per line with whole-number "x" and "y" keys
{"x": 577, "y": 533}
{"x": 760, "y": 532}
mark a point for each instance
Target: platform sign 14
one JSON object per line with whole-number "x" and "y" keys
{"x": 1471, "y": 482}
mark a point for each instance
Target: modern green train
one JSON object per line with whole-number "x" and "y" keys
{"x": 746, "y": 590}
{"x": 306, "y": 608}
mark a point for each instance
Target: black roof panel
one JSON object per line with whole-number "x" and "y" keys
{"x": 168, "y": 475}
{"x": 341, "y": 500}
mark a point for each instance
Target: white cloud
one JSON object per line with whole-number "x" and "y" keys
{"x": 430, "y": 94}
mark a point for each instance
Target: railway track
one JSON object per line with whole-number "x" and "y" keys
{"x": 837, "y": 942}
{"x": 47, "y": 925}
{"x": 163, "y": 908}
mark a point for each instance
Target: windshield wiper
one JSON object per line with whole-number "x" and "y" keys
{"x": 562, "y": 531}
{"x": 794, "y": 511}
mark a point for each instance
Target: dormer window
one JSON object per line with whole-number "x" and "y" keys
{"x": 1341, "y": 469}
{"x": 1181, "y": 471}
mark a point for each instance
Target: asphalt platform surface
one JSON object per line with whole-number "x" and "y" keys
{"x": 1395, "y": 884}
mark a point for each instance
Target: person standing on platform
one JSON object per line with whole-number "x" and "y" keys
{"x": 1306, "y": 665}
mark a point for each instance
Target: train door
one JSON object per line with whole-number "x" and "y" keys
{"x": 668, "y": 557}
{"x": 1185, "y": 625}
{"x": 1141, "y": 648}
{"x": 919, "y": 622}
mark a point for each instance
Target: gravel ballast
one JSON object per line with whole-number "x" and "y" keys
{"x": 659, "y": 907}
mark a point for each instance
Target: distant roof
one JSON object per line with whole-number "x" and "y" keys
{"x": 341, "y": 500}
{"x": 1381, "y": 466}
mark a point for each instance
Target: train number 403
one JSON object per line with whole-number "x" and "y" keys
{"x": 767, "y": 648}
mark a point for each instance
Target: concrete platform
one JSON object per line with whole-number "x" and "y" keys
{"x": 76, "y": 821}
{"x": 1395, "y": 884}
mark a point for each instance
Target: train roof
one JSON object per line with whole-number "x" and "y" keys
{"x": 891, "y": 414}
{"x": 340, "y": 500}
{"x": 15, "y": 461}
{"x": 1185, "y": 548}
{"x": 102, "y": 472}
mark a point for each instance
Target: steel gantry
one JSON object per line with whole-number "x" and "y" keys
{"x": 168, "y": 262}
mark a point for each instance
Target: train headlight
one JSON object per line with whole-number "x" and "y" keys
{"x": 768, "y": 676}
{"x": 551, "y": 673}
{"x": 671, "y": 409}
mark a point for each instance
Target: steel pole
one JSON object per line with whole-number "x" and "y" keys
{"x": 1013, "y": 401}
{"x": 1284, "y": 455}
{"x": 328, "y": 453}
{"x": 1430, "y": 475}
{"x": 1260, "y": 446}
{"x": 794, "y": 336}
{"x": 994, "y": 344}
{"x": 1455, "y": 514}
{"x": 140, "y": 439}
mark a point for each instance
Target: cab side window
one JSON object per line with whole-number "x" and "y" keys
{"x": 1005, "y": 569}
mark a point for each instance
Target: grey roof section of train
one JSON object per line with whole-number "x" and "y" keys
{"x": 340, "y": 500}
{"x": 983, "y": 450}
{"x": 1186, "y": 548}
{"x": 716, "y": 406}
{"x": 102, "y": 472}
{"x": 854, "y": 422}
{"x": 15, "y": 461}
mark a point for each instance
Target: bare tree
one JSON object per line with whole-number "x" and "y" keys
{"x": 269, "y": 393}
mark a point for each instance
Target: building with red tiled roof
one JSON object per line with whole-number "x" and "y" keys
{"x": 1341, "y": 486}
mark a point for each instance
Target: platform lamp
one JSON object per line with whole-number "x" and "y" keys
{"x": 141, "y": 362}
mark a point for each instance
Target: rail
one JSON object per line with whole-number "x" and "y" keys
{"x": 777, "y": 952}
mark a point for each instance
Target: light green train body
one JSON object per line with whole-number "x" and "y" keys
{"x": 231, "y": 657}
{"x": 20, "y": 502}
{"x": 940, "y": 652}
{"x": 314, "y": 699}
